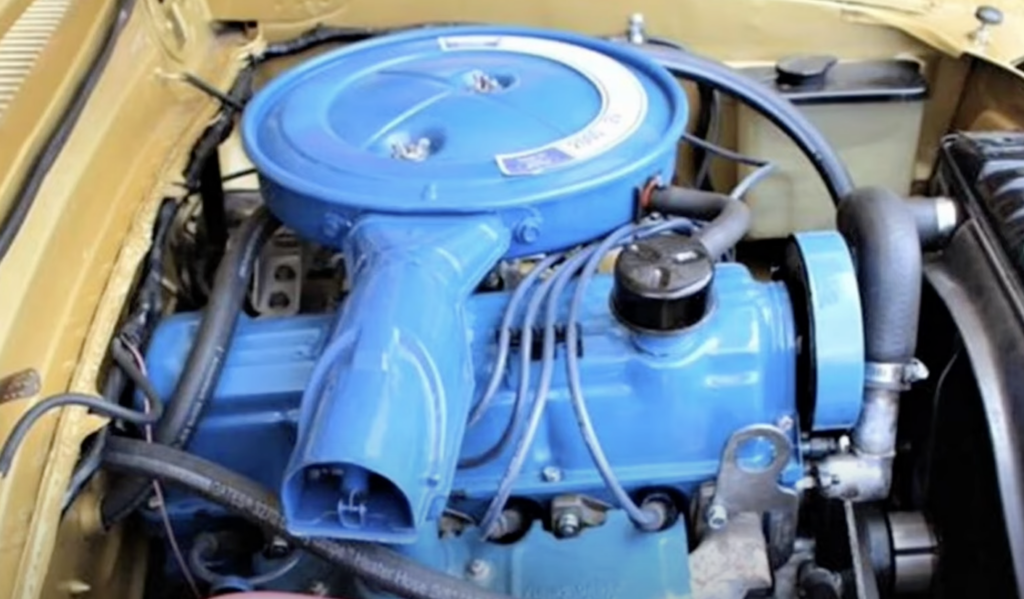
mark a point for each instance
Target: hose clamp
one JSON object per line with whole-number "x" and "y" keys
{"x": 894, "y": 377}
{"x": 947, "y": 216}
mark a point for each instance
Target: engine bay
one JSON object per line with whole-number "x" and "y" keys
{"x": 479, "y": 319}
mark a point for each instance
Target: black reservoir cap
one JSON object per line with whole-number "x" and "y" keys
{"x": 662, "y": 284}
{"x": 822, "y": 79}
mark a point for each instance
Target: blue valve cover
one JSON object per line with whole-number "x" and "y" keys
{"x": 663, "y": 419}
{"x": 537, "y": 126}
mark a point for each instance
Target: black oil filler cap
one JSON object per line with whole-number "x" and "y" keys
{"x": 662, "y": 284}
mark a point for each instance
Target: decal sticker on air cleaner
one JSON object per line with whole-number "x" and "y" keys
{"x": 623, "y": 101}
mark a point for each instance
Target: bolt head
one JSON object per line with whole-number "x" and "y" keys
{"x": 568, "y": 525}
{"x": 551, "y": 474}
{"x": 717, "y": 517}
{"x": 478, "y": 569}
{"x": 528, "y": 230}
{"x": 915, "y": 371}
{"x": 785, "y": 424}
{"x": 989, "y": 15}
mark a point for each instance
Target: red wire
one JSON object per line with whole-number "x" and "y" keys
{"x": 646, "y": 191}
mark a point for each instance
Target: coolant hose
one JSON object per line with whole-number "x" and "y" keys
{"x": 882, "y": 234}
{"x": 374, "y": 564}
{"x": 771, "y": 105}
{"x": 729, "y": 219}
{"x": 198, "y": 379}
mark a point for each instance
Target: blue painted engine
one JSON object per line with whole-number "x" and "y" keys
{"x": 436, "y": 417}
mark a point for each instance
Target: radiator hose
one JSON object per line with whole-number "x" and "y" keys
{"x": 374, "y": 564}
{"x": 205, "y": 361}
{"x": 882, "y": 233}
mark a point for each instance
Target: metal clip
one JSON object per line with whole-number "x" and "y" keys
{"x": 894, "y": 377}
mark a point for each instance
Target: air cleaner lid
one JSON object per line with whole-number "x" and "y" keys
{"x": 457, "y": 120}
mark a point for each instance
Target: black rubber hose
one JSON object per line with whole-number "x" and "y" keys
{"x": 882, "y": 234}
{"x": 774, "y": 107}
{"x": 374, "y": 564}
{"x": 198, "y": 379}
{"x": 729, "y": 219}
{"x": 215, "y": 218}
{"x": 96, "y": 405}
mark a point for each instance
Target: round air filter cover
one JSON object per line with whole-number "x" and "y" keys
{"x": 552, "y": 131}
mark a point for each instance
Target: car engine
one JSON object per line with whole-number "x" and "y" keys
{"x": 489, "y": 402}
{"x": 475, "y": 336}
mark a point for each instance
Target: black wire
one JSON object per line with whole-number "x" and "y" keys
{"x": 324, "y": 34}
{"x": 47, "y": 156}
{"x": 724, "y": 152}
{"x": 238, "y": 175}
{"x": 126, "y": 362}
{"x": 212, "y": 91}
{"x": 705, "y": 119}
{"x": 96, "y": 405}
{"x": 92, "y": 457}
{"x": 124, "y": 366}
{"x": 149, "y": 301}
{"x": 317, "y": 36}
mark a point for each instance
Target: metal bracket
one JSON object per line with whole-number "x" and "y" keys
{"x": 739, "y": 490}
{"x": 277, "y": 289}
